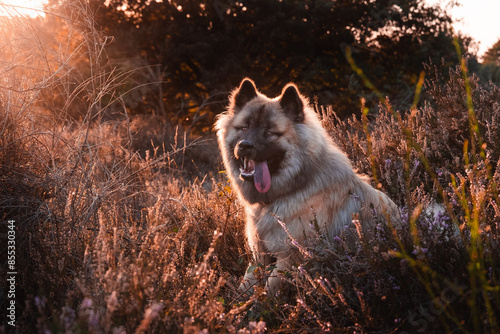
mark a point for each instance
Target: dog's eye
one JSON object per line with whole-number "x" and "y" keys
{"x": 270, "y": 133}
{"x": 241, "y": 128}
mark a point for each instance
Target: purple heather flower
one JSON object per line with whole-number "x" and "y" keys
{"x": 87, "y": 303}
{"x": 387, "y": 163}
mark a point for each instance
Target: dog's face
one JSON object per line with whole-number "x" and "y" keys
{"x": 257, "y": 149}
{"x": 261, "y": 133}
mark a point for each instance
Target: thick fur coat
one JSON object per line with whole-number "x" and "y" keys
{"x": 283, "y": 165}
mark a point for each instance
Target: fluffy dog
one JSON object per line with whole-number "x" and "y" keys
{"x": 283, "y": 165}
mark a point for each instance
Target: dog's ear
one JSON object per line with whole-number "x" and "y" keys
{"x": 244, "y": 93}
{"x": 292, "y": 104}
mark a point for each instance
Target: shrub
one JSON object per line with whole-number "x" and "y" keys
{"x": 115, "y": 232}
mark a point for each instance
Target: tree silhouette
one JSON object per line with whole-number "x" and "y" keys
{"x": 492, "y": 56}
{"x": 490, "y": 67}
{"x": 204, "y": 48}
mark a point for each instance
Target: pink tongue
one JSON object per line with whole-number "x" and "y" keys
{"x": 261, "y": 177}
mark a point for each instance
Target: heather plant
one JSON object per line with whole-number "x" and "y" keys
{"x": 106, "y": 241}
{"x": 423, "y": 165}
{"x": 118, "y": 233}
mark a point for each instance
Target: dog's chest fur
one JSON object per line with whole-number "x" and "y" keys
{"x": 265, "y": 233}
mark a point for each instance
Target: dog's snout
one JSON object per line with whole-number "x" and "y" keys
{"x": 244, "y": 148}
{"x": 245, "y": 145}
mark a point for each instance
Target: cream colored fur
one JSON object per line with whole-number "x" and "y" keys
{"x": 327, "y": 188}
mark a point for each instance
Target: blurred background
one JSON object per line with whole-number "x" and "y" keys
{"x": 184, "y": 57}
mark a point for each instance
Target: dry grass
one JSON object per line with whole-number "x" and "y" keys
{"x": 115, "y": 233}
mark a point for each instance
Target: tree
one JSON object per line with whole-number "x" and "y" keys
{"x": 492, "y": 56}
{"x": 489, "y": 69}
{"x": 206, "y": 47}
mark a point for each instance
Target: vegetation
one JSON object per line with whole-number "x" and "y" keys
{"x": 196, "y": 52}
{"x": 490, "y": 69}
{"x": 125, "y": 222}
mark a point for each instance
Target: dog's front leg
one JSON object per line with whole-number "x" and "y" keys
{"x": 275, "y": 281}
{"x": 251, "y": 277}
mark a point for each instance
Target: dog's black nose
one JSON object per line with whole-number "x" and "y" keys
{"x": 245, "y": 145}
{"x": 244, "y": 148}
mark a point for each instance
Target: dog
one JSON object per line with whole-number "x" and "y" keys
{"x": 286, "y": 170}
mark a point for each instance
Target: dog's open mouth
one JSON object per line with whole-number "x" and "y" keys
{"x": 258, "y": 172}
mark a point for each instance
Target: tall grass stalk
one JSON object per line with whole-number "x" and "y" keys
{"x": 478, "y": 282}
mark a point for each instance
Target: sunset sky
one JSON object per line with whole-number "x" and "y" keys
{"x": 478, "y": 18}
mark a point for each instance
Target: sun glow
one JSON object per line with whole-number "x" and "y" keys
{"x": 477, "y": 19}
{"x": 32, "y": 8}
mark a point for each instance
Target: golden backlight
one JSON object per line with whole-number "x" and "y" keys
{"x": 477, "y": 19}
{"x": 31, "y": 8}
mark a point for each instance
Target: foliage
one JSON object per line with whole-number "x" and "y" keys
{"x": 110, "y": 240}
{"x": 439, "y": 129}
{"x": 492, "y": 56}
{"x": 490, "y": 67}
{"x": 197, "y": 51}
